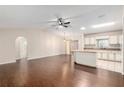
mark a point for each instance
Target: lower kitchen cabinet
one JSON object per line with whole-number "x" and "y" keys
{"x": 109, "y": 65}
{"x": 102, "y": 55}
{"x": 105, "y": 55}
{"x": 99, "y": 55}
{"x": 118, "y": 67}
{"x": 109, "y": 60}
{"x": 111, "y": 56}
{"x": 118, "y": 56}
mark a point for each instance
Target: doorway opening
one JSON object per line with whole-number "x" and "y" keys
{"x": 71, "y": 45}
{"x": 21, "y": 48}
{"x": 74, "y": 45}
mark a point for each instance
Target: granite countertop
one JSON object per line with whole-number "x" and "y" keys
{"x": 84, "y": 51}
{"x": 108, "y": 49}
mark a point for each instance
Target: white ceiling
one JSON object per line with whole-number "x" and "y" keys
{"x": 34, "y": 16}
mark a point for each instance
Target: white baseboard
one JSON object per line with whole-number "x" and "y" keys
{"x": 32, "y": 58}
{"x": 122, "y": 73}
{"x": 14, "y": 61}
{"x": 8, "y": 62}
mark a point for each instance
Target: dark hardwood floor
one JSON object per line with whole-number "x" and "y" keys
{"x": 56, "y": 71}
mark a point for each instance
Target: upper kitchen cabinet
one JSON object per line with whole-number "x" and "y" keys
{"x": 90, "y": 41}
{"x": 120, "y": 39}
{"x": 113, "y": 39}
{"x": 104, "y": 40}
{"x": 116, "y": 39}
{"x": 87, "y": 41}
{"x": 93, "y": 41}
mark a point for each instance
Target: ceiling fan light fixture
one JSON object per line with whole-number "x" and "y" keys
{"x": 82, "y": 28}
{"x": 60, "y": 26}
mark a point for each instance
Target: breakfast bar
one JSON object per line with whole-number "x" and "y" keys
{"x": 87, "y": 58}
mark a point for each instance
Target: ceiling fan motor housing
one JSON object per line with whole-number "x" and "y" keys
{"x": 62, "y": 23}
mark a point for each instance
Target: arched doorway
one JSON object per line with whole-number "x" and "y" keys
{"x": 21, "y": 48}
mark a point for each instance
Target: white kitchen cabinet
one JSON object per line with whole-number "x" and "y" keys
{"x": 98, "y": 55}
{"x": 102, "y": 55}
{"x": 93, "y": 41}
{"x": 114, "y": 56}
{"x": 111, "y": 66}
{"x": 90, "y": 41}
{"x": 118, "y": 56}
{"x": 116, "y": 39}
{"x": 111, "y": 56}
{"x": 118, "y": 67}
{"x": 105, "y": 55}
{"x": 110, "y": 60}
{"x": 87, "y": 41}
{"x": 113, "y": 39}
{"x": 120, "y": 39}
{"x": 104, "y": 64}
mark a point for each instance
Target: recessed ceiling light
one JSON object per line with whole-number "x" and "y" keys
{"x": 103, "y": 25}
{"x": 82, "y": 28}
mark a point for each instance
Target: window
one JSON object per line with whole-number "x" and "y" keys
{"x": 103, "y": 43}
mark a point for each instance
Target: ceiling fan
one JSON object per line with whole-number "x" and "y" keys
{"x": 60, "y": 22}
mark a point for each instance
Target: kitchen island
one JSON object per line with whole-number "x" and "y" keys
{"x": 87, "y": 58}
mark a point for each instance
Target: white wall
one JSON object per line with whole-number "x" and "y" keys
{"x": 123, "y": 52}
{"x": 123, "y": 42}
{"x": 41, "y": 43}
{"x": 67, "y": 47}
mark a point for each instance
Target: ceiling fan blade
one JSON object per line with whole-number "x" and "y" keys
{"x": 47, "y": 22}
{"x": 69, "y": 26}
{"x": 67, "y": 22}
{"x": 51, "y": 21}
{"x": 65, "y": 26}
{"x": 54, "y": 25}
{"x": 73, "y": 17}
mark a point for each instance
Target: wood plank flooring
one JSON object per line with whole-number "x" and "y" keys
{"x": 56, "y": 71}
